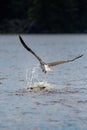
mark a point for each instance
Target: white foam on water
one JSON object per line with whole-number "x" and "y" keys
{"x": 40, "y": 86}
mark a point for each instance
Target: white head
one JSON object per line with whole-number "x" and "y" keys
{"x": 47, "y": 68}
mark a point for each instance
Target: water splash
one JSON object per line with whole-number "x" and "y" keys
{"x": 32, "y": 76}
{"x": 36, "y": 80}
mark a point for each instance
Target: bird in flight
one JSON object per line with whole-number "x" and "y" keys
{"x": 46, "y": 66}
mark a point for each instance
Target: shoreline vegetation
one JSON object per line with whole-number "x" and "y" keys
{"x": 24, "y": 26}
{"x": 36, "y": 16}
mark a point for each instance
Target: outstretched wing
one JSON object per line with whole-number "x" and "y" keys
{"x": 29, "y": 49}
{"x": 62, "y": 62}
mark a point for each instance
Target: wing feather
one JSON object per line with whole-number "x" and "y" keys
{"x": 29, "y": 49}
{"x": 62, "y": 62}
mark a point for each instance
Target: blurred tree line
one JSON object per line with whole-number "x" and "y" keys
{"x": 48, "y": 16}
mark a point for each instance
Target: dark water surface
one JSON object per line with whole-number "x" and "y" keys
{"x": 63, "y": 105}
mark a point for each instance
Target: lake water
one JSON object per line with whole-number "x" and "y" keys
{"x": 63, "y": 104}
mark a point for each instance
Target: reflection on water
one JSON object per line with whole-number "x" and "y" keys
{"x": 32, "y": 100}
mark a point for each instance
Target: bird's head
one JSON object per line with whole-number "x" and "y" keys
{"x": 45, "y": 68}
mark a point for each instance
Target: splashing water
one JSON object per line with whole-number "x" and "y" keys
{"x": 36, "y": 80}
{"x": 32, "y": 76}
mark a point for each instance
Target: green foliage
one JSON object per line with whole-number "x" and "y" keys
{"x": 34, "y": 10}
{"x": 11, "y": 9}
{"x": 56, "y": 16}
